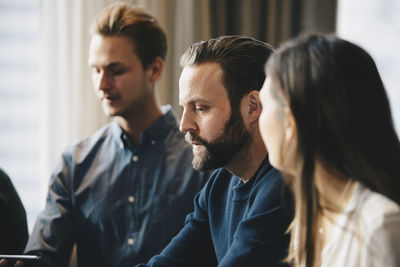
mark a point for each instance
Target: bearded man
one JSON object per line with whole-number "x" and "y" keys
{"x": 240, "y": 216}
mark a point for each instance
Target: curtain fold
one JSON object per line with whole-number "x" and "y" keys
{"x": 69, "y": 108}
{"x": 272, "y": 21}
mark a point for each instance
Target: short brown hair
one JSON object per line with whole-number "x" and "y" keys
{"x": 241, "y": 58}
{"x": 135, "y": 23}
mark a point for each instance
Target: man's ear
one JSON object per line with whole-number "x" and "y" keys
{"x": 155, "y": 69}
{"x": 253, "y": 106}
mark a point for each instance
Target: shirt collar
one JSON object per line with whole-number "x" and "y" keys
{"x": 153, "y": 134}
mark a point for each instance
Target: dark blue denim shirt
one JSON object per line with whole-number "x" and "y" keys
{"x": 120, "y": 204}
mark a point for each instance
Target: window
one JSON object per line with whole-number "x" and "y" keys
{"x": 375, "y": 26}
{"x": 19, "y": 100}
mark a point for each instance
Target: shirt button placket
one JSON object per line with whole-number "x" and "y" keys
{"x": 131, "y": 200}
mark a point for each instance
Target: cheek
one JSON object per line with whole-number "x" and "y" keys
{"x": 272, "y": 132}
{"x": 268, "y": 127}
{"x": 127, "y": 87}
{"x": 135, "y": 86}
{"x": 95, "y": 82}
{"x": 122, "y": 82}
{"x": 212, "y": 127}
{"x": 262, "y": 122}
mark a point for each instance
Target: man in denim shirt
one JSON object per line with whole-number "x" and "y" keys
{"x": 124, "y": 192}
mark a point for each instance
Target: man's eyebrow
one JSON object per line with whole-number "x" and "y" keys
{"x": 110, "y": 65}
{"x": 114, "y": 64}
{"x": 195, "y": 100}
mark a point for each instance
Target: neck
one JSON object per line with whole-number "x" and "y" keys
{"x": 136, "y": 121}
{"x": 333, "y": 188}
{"x": 246, "y": 163}
{"x": 334, "y": 192}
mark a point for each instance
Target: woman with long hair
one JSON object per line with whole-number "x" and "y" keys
{"x": 327, "y": 125}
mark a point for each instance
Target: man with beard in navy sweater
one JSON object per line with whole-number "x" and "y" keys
{"x": 240, "y": 216}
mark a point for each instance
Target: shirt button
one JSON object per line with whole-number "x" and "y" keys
{"x": 131, "y": 241}
{"x": 153, "y": 142}
{"x": 121, "y": 145}
{"x": 135, "y": 158}
{"x": 131, "y": 199}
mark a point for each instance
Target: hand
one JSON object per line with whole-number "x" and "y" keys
{"x": 4, "y": 263}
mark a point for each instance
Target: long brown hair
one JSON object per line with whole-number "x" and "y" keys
{"x": 343, "y": 117}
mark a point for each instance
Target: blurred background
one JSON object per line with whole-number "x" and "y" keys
{"x": 46, "y": 97}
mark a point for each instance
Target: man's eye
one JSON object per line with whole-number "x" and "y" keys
{"x": 118, "y": 71}
{"x": 201, "y": 108}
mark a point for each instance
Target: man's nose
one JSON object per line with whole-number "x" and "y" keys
{"x": 103, "y": 81}
{"x": 188, "y": 124}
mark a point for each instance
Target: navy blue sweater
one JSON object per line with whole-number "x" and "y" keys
{"x": 233, "y": 224}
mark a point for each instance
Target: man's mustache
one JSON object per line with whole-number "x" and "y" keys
{"x": 190, "y": 138}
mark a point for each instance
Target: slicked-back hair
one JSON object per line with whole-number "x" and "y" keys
{"x": 120, "y": 19}
{"x": 241, "y": 58}
{"x": 343, "y": 119}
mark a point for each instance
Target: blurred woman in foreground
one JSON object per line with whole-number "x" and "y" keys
{"x": 327, "y": 125}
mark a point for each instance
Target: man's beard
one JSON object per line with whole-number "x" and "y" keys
{"x": 221, "y": 150}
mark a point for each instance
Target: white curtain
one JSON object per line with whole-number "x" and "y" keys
{"x": 70, "y": 110}
{"x": 185, "y": 22}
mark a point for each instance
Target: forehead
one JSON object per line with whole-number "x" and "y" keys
{"x": 104, "y": 50}
{"x": 202, "y": 82}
